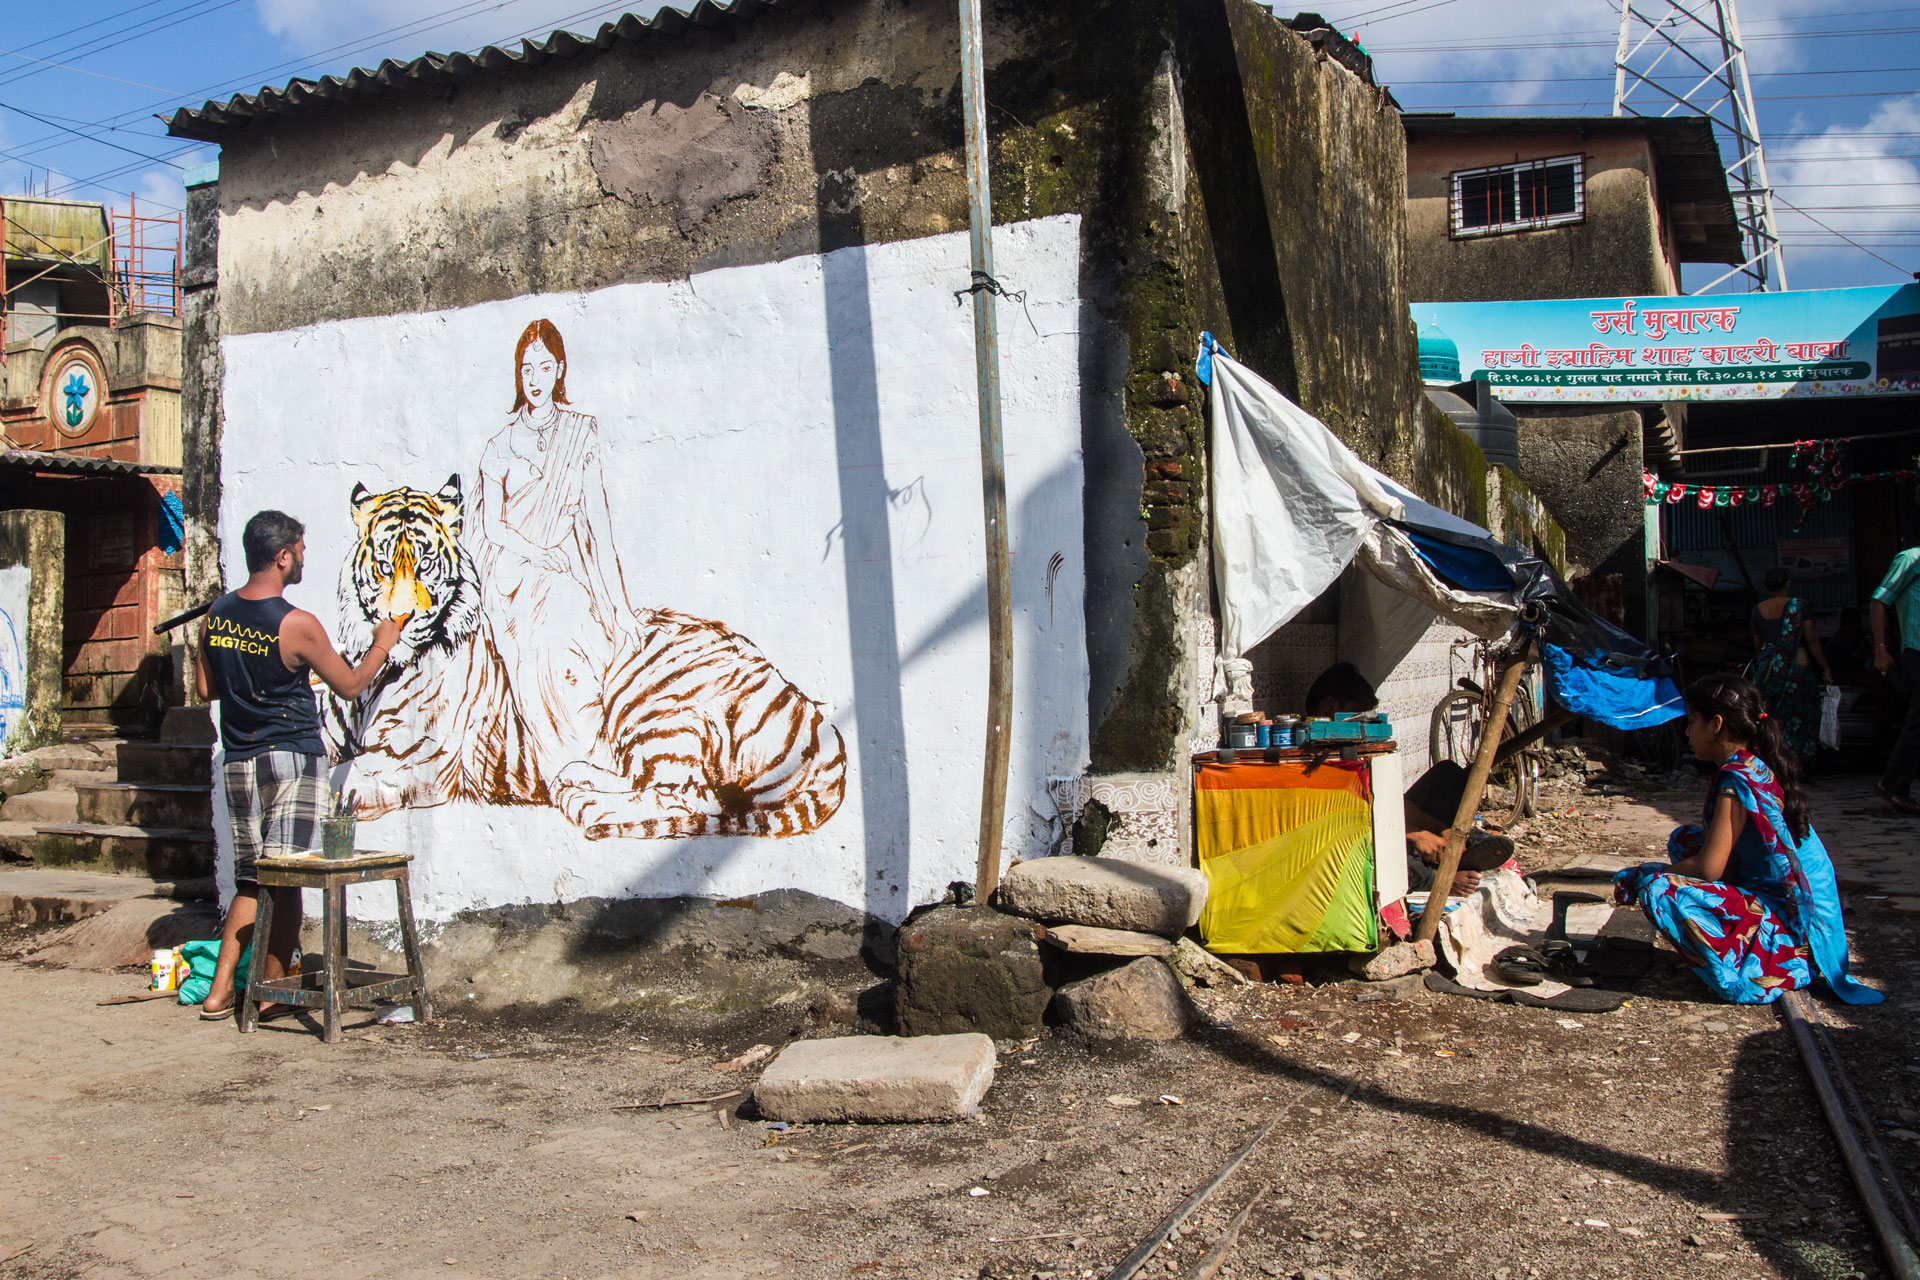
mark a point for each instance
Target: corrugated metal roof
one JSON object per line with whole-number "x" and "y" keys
{"x": 80, "y": 465}
{"x": 1686, "y": 159}
{"x": 42, "y": 230}
{"x": 214, "y": 121}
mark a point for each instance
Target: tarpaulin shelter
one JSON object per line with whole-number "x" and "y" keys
{"x": 1293, "y": 508}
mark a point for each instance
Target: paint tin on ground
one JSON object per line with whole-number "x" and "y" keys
{"x": 161, "y": 969}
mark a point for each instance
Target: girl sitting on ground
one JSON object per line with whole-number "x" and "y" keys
{"x": 1750, "y": 899}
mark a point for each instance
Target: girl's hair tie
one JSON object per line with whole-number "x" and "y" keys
{"x": 1763, "y": 715}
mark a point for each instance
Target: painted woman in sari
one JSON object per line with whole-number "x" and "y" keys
{"x": 1749, "y": 898}
{"x": 551, "y": 586}
{"x": 1786, "y": 651}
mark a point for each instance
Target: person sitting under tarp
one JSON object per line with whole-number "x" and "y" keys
{"x": 1749, "y": 897}
{"x": 1429, "y": 803}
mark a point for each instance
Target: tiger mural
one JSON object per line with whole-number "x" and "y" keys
{"x": 698, "y": 733}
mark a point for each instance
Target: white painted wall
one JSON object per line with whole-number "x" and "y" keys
{"x": 16, "y": 584}
{"x": 790, "y": 449}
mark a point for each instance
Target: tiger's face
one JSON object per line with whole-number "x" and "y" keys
{"x": 407, "y": 562}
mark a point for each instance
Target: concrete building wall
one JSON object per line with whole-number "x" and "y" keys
{"x": 32, "y": 611}
{"x": 1620, "y": 248}
{"x": 1193, "y": 162}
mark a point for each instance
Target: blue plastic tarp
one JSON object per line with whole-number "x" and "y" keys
{"x": 1622, "y": 698}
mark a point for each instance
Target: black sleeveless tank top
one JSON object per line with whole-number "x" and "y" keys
{"x": 263, "y": 706}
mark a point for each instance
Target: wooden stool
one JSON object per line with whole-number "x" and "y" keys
{"x": 335, "y": 986}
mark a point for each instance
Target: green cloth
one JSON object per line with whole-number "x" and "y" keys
{"x": 201, "y": 957}
{"x": 1900, "y": 592}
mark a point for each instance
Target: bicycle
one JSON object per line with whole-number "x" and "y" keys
{"x": 1460, "y": 719}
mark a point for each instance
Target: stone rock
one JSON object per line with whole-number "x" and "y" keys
{"x": 1195, "y": 966}
{"x": 1405, "y": 987}
{"x": 877, "y": 1078}
{"x": 130, "y": 933}
{"x": 969, "y": 969}
{"x": 1105, "y": 893}
{"x": 22, "y": 775}
{"x": 1141, "y": 1000}
{"x": 1104, "y": 942}
{"x": 1397, "y": 960}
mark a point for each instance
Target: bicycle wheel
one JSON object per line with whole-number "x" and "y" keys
{"x": 1454, "y": 732}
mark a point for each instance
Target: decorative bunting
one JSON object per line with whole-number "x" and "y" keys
{"x": 1803, "y": 493}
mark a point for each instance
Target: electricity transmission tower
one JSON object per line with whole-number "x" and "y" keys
{"x": 1685, "y": 56}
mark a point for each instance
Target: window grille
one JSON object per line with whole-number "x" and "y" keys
{"x": 1519, "y": 197}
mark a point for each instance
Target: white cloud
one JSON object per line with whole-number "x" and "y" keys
{"x": 1860, "y": 169}
{"x": 405, "y": 29}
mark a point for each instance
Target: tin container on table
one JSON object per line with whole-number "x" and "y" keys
{"x": 1242, "y": 737}
{"x": 1285, "y": 731}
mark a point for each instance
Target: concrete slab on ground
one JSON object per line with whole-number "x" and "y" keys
{"x": 43, "y": 896}
{"x": 878, "y": 1078}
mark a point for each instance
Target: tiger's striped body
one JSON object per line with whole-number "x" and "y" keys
{"x": 698, "y": 734}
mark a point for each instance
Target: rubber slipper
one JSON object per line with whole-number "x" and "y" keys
{"x": 275, "y": 1012}
{"x": 1520, "y": 967}
{"x": 1900, "y": 803}
{"x": 215, "y": 1015}
{"x": 1486, "y": 854}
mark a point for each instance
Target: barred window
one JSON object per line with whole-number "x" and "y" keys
{"x": 1518, "y": 197}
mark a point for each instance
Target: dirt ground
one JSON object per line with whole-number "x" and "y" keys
{"x": 1432, "y": 1136}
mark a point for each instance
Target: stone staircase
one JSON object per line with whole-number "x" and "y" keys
{"x": 134, "y": 807}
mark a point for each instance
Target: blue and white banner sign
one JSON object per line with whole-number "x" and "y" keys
{"x": 1749, "y": 346}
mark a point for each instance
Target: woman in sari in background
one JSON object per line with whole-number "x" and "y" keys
{"x": 1786, "y": 650}
{"x": 1749, "y": 898}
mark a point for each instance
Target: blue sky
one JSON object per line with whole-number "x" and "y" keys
{"x": 1837, "y": 87}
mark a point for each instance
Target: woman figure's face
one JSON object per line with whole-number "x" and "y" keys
{"x": 539, "y": 370}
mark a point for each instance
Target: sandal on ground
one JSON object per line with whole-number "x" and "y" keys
{"x": 1900, "y": 803}
{"x": 215, "y": 1015}
{"x": 276, "y": 1011}
{"x": 1520, "y": 967}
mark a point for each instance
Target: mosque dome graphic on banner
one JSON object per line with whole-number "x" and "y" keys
{"x": 1439, "y": 357}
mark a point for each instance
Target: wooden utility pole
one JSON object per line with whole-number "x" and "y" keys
{"x": 1477, "y": 776}
{"x": 993, "y": 479}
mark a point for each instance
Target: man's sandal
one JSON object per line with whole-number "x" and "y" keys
{"x": 215, "y": 1015}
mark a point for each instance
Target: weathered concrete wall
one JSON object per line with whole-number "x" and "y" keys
{"x": 1586, "y": 467}
{"x": 200, "y": 409}
{"x": 33, "y": 570}
{"x": 1221, "y": 178}
{"x": 1619, "y": 248}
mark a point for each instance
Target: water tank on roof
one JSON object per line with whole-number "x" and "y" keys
{"x": 1488, "y": 423}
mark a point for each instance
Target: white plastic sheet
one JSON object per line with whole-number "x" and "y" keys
{"x": 1293, "y": 506}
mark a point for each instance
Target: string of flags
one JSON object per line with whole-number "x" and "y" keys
{"x": 1803, "y": 493}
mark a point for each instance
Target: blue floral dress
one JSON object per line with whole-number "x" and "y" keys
{"x": 1773, "y": 925}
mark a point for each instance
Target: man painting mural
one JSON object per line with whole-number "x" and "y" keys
{"x": 1899, "y": 593}
{"x": 256, "y": 651}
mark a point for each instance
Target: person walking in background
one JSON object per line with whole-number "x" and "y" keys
{"x": 1785, "y": 652}
{"x": 1899, "y": 591}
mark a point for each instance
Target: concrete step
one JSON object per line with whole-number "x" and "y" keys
{"x": 165, "y": 762}
{"x": 91, "y": 757}
{"x": 167, "y": 853}
{"x": 60, "y": 805}
{"x": 17, "y": 841}
{"x": 43, "y": 897}
{"x": 68, "y": 779}
{"x": 187, "y": 726}
{"x": 138, "y": 804}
